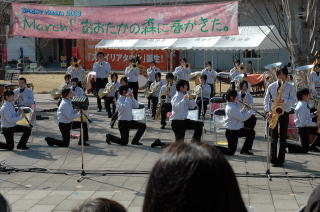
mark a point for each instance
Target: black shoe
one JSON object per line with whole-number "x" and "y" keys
{"x": 49, "y": 142}
{"x": 163, "y": 127}
{"x": 277, "y": 165}
{"x": 109, "y": 116}
{"x": 99, "y": 110}
{"x": 137, "y": 143}
{"x": 107, "y": 140}
{"x": 84, "y": 144}
{"x": 314, "y": 149}
{"x": 246, "y": 152}
{"x": 23, "y": 147}
{"x": 157, "y": 142}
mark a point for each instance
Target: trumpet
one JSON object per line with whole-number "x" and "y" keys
{"x": 251, "y": 108}
{"x": 187, "y": 65}
{"x": 134, "y": 65}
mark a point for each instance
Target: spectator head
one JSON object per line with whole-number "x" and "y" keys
{"x": 100, "y": 205}
{"x": 313, "y": 204}
{"x": 4, "y": 205}
{"x": 192, "y": 177}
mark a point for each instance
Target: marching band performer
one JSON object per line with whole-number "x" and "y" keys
{"x": 315, "y": 80}
{"x": 204, "y": 96}
{"x": 75, "y": 87}
{"x": 211, "y": 76}
{"x": 181, "y": 102}
{"x": 154, "y": 97}
{"x": 66, "y": 115}
{"x": 9, "y": 118}
{"x": 306, "y": 126}
{"x": 234, "y": 71}
{"x": 167, "y": 107}
{"x": 124, "y": 106}
{"x": 235, "y": 117}
{"x": 132, "y": 73}
{"x": 111, "y": 98}
{"x": 76, "y": 70}
{"x": 23, "y": 95}
{"x": 245, "y": 97}
{"x": 183, "y": 71}
{"x": 284, "y": 97}
{"x": 102, "y": 69}
{"x": 151, "y": 71}
{"x": 67, "y": 81}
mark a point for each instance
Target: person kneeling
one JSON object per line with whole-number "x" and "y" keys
{"x": 235, "y": 127}
{"x": 66, "y": 115}
{"x": 9, "y": 118}
{"x": 124, "y": 105}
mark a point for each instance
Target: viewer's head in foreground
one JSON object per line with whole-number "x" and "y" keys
{"x": 100, "y": 205}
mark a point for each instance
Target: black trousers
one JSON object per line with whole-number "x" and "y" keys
{"x": 304, "y": 133}
{"x": 276, "y": 157}
{"x": 154, "y": 101}
{"x": 179, "y": 128}
{"x": 205, "y": 106}
{"x": 212, "y": 90}
{"x": 108, "y": 101}
{"x": 124, "y": 128}
{"x": 232, "y": 138}
{"x": 135, "y": 87}
{"x": 9, "y": 136}
{"x": 166, "y": 108}
{"x": 65, "y": 132}
{"x": 148, "y": 86}
{"x": 251, "y": 122}
{"x": 100, "y": 83}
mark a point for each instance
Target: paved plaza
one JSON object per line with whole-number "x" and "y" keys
{"x": 121, "y": 172}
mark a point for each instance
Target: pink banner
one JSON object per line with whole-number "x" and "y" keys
{"x": 139, "y": 22}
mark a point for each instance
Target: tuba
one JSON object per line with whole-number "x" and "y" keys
{"x": 107, "y": 90}
{"x": 56, "y": 94}
{"x": 154, "y": 88}
{"x": 270, "y": 75}
{"x": 277, "y": 109}
{"x": 163, "y": 99}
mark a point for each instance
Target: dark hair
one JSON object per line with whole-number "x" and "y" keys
{"x": 123, "y": 88}
{"x": 317, "y": 65}
{"x": 169, "y": 76}
{"x": 302, "y": 92}
{"x": 181, "y": 83}
{"x": 183, "y": 60}
{"x": 65, "y": 92}
{"x": 74, "y": 59}
{"x": 289, "y": 64}
{"x": 209, "y": 63}
{"x": 313, "y": 201}
{"x": 124, "y": 79}
{"x": 204, "y": 76}
{"x": 23, "y": 79}
{"x": 153, "y": 62}
{"x": 4, "y": 204}
{"x": 283, "y": 70}
{"x": 250, "y": 62}
{"x": 75, "y": 80}
{"x": 100, "y": 205}
{"x": 242, "y": 83}
{"x": 192, "y": 177}
{"x": 158, "y": 74}
{"x": 7, "y": 93}
{"x": 237, "y": 61}
{"x": 231, "y": 93}
{"x": 100, "y": 53}
{"x": 67, "y": 76}
{"x": 114, "y": 74}
{"x": 132, "y": 60}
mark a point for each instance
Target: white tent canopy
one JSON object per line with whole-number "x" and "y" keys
{"x": 250, "y": 37}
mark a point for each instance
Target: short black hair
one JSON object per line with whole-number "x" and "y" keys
{"x": 7, "y": 93}
{"x": 153, "y": 62}
{"x": 67, "y": 76}
{"x": 100, "y": 53}
{"x": 184, "y": 60}
{"x": 283, "y": 70}
{"x": 317, "y": 65}
{"x": 231, "y": 93}
{"x": 203, "y": 181}
{"x": 302, "y": 92}
{"x": 123, "y": 88}
{"x": 204, "y": 76}
{"x": 181, "y": 83}
{"x": 23, "y": 79}
{"x": 75, "y": 80}
{"x": 124, "y": 79}
{"x": 158, "y": 74}
{"x": 237, "y": 61}
{"x": 114, "y": 74}
{"x": 169, "y": 76}
{"x": 242, "y": 83}
{"x": 250, "y": 62}
{"x": 74, "y": 59}
{"x": 65, "y": 92}
{"x": 100, "y": 205}
{"x": 133, "y": 60}
{"x": 209, "y": 63}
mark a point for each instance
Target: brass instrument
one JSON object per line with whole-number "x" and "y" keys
{"x": 76, "y": 65}
{"x": 154, "y": 88}
{"x": 107, "y": 90}
{"x": 163, "y": 99}
{"x": 277, "y": 109}
{"x": 270, "y": 75}
{"x": 187, "y": 65}
{"x": 56, "y": 93}
{"x": 251, "y": 108}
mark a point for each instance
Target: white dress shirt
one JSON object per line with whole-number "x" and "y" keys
{"x": 182, "y": 73}
{"x": 76, "y": 73}
{"x": 181, "y": 106}
{"x": 66, "y": 85}
{"x": 288, "y": 96}
{"x": 66, "y": 113}
{"x": 233, "y": 73}
{"x": 102, "y": 71}
{"x": 206, "y": 91}
{"x": 155, "y": 83}
{"x": 171, "y": 94}
{"x": 132, "y": 74}
{"x": 114, "y": 90}
{"x": 125, "y": 106}
{"x": 27, "y": 95}
{"x": 152, "y": 73}
{"x": 248, "y": 96}
{"x": 302, "y": 115}
{"x": 211, "y": 75}
{"x": 235, "y": 117}
{"x": 77, "y": 91}
{"x": 9, "y": 116}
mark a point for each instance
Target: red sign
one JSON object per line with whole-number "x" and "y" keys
{"x": 75, "y": 52}
{"x": 138, "y": 22}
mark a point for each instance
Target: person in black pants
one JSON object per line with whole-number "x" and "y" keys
{"x": 9, "y": 118}
{"x": 154, "y": 97}
{"x": 125, "y": 104}
{"x": 111, "y": 98}
{"x": 132, "y": 73}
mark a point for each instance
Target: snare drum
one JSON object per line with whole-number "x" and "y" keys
{"x": 28, "y": 112}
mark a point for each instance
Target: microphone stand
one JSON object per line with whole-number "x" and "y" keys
{"x": 83, "y": 173}
{"x": 202, "y": 111}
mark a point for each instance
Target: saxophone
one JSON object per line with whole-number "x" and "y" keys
{"x": 277, "y": 109}
{"x": 153, "y": 89}
{"x": 163, "y": 99}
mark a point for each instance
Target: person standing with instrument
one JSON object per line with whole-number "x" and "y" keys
{"x": 23, "y": 95}
{"x": 279, "y": 98}
{"x": 132, "y": 73}
{"x": 102, "y": 69}
{"x": 211, "y": 77}
{"x": 111, "y": 98}
{"x": 67, "y": 82}
{"x": 235, "y": 70}
{"x": 76, "y": 71}
{"x": 75, "y": 87}
{"x": 167, "y": 91}
{"x": 183, "y": 71}
{"x": 151, "y": 76}
{"x": 315, "y": 80}
{"x": 154, "y": 93}
{"x": 245, "y": 97}
{"x": 9, "y": 118}
{"x": 203, "y": 97}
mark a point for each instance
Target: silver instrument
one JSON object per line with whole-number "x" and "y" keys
{"x": 301, "y": 77}
{"x": 270, "y": 75}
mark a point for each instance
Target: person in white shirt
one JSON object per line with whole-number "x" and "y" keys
{"x": 67, "y": 81}
{"x": 234, "y": 71}
{"x": 132, "y": 73}
{"x": 287, "y": 100}
{"x": 306, "y": 127}
{"x": 157, "y": 84}
{"x": 102, "y": 69}
{"x": 183, "y": 71}
{"x": 211, "y": 76}
{"x": 204, "y": 96}
{"x": 111, "y": 98}
{"x": 245, "y": 96}
{"x": 75, "y": 88}
{"x": 66, "y": 115}
{"x": 151, "y": 71}
{"x": 235, "y": 116}
{"x": 9, "y": 118}
{"x": 23, "y": 95}
{"x": 315, "y": 80}
{"x": 125, "y": 104}
{"x": 167, "y": 107}
{"x": 76, "y": 71}
{"x": 181, "y": 103}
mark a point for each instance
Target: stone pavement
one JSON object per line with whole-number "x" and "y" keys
{"x": 126, "y": 169}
